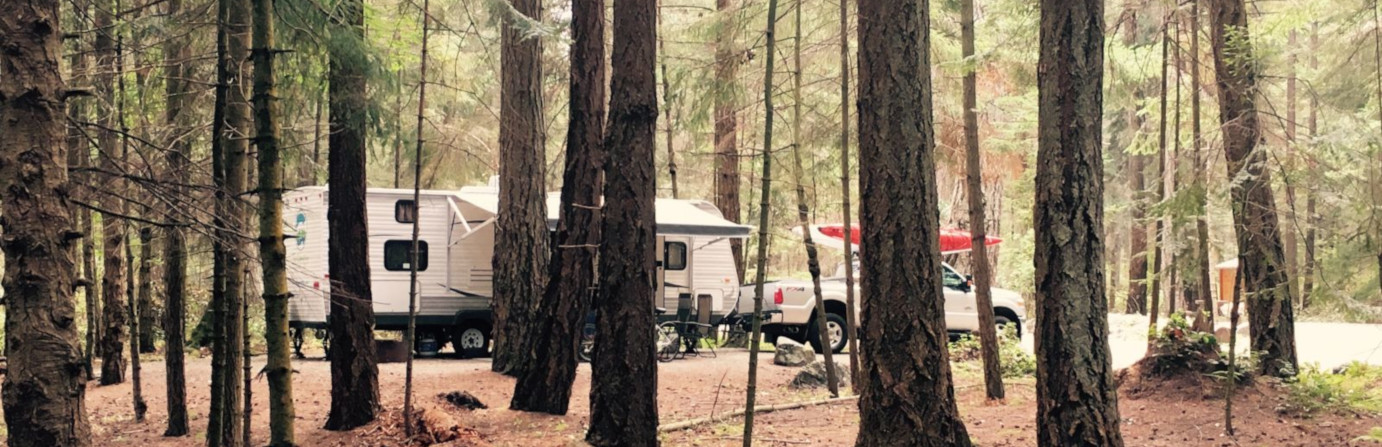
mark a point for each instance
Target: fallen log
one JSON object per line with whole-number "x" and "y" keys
{"x": 683, "y": 425}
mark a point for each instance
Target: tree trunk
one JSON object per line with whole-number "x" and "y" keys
{"x": 272, "y": 253}
{"x": 851, "y": 304}
{"x": 1137, "y": 262}
{"x": 1311, "y": 196}
{"x": 727, "y": 59}
{"x": 79, "y": 156}
{"x": 813, "y": 263}
{"x": 764, "y": 206}
{"x": 215, "y": 425}
{"x": 547, "y": 386}
{"x": 1271, "y": 322}
{"x": 44, "y": 385}
{"x": 979, "y": 264}
{"x": 668, "y": 105}
{"x": 410, "y": 336}
{"x": 234, "y": 212}
{"x": 623, "y": 392}
{"x": 1204, "y": 320}
{"x": 520, "y": 236}
{"x": 113, "y": 281}
{"x": 1157, "y": 261}
{"x": 176, "y": 54}
{"x": 137, "y": 300}
{"x": 1077, "y": 403}
{"x": 354, "y": 372}
{"x": 906, "y": 395}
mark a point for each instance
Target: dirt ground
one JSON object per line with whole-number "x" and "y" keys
{"x": 693, "y": 388}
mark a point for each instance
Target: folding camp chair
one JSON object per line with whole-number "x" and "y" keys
{"x": 695, "y": 334}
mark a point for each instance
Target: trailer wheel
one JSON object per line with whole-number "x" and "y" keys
{"x": 471, "y": 340}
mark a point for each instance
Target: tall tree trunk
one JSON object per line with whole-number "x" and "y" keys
{"x": 176, "y": 55}
{"x": 667, "y": 104}
{"x": 234, "y": 213}
{"x": 410, "y": 336}
{"x": 851, "y": 304}
{"x": 1311, "y": 196}
{"x": 1158, "y": 237}
{"x": 113, "y": 281}
{"x": 974, "y": 179}
{"x": 823, "y": 336}
{"x": 1287, "y": 163}
{"x": 547, "y": 386}
{"x": 623, "y": 391}
{"x": 1375, "y": 170}
{"x": 79, "y": 156}
{"x": 1137, "y": 184}
{"x": 354, "y": 371}
{"x": 272, "y": 253}
{"x": 1077, "y": 403}
{"x": 44, "y": 385}
{"x": 215, "y": 425}
{"x": 764, "y": 206}
{"x": 727, "y": 179}
{"x": 137, "y": 300}
{"x": 906, "y": 388}
{"x": 1271, "y": 321}
{"x": 1204, "y": 320}
{"x": 520, "y": 236}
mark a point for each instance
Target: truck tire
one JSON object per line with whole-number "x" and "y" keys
{"x": 838, "y": 336}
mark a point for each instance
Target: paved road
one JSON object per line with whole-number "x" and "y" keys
{"x": 1327, "y": 344}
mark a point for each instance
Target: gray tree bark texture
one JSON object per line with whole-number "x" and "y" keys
{"x": 1271, "y": 320}
{"x": 1077, "y": 403}
{"x": 546, "y": 387}
{"x": 906, "y": 392}
{"x": 354, "y": 370}
{"x": 521, "y": 251}
{"x": 44, "y": 386}
{"x": 623, "y": 390}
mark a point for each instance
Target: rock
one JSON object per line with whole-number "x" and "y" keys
{"x": 737, "y": 338}
{"x": 1221, "y": 331}
{"x": 813, "y": 376}
{"x": 789, "y": 353}
{"x": 462, "y": 399}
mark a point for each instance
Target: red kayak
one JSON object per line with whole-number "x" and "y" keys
{"x": 953, "y": 240}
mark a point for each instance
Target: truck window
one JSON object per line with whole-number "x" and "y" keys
{"x": 953, "y": 280}
{"x": 675, "y": 252}
{"x": 405, "y": 211}
{"x": 398, "y": 253}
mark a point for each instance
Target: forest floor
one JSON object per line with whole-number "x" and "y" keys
{"x": 1165, "y": 414}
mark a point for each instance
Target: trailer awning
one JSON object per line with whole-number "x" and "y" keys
{"x": 675, "y": 217}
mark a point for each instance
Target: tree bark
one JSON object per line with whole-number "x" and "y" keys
{"x": 974, "y": 180}
{"x": 176, "y": 55}
{"x": 851, "y": 301}
{"x": 234, "y": 215}
{"x": 546, "y": 387}
{"x": 764, "y": 206}
{"x": 215, "y": 425}
{"x": 623, "y": 393}
{"x": 906, "y": 395}
{"x": 79, "y": 156}
{"x": 144, "y": 295}
{"x": 1137, "y": 184}
{"x": 813, "y": 263}
{"x": 1204, "y": 320}
{"x": 410, "y": 337}
{"x": 1311, "y": 196}
{"x": 44, "y": 385}
{"x": 520, "y": 236}
{"x": 272, "y": 253}
{"x": 354, "y": 371}
{"x": 113, "y": 280}
{"x": 727, "y": 179}
{"x": 1271, "y": 322}
{"x": 1157, "y": 261}
{"x": 1077, "y": 403}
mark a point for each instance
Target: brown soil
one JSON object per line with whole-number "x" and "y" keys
{"x": 1157, "y": 414}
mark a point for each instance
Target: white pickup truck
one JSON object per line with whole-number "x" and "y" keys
{"x": 792, "y": 308}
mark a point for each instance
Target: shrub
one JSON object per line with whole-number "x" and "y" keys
{"x": 1013, "y": 361}
{"x": 1352, "y": 389}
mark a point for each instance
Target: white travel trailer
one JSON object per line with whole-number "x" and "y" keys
{"x": 456, "y": 244}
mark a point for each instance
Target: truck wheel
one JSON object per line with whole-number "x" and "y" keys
{"x": 471, "y": 340}
{"x": 1003, "y": 321}
{"x": 835, "y": 324}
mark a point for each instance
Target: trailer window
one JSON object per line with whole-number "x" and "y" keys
{"x": 405, "y": 211}
{"x": 398, "y": 253}
{"x": 675, "y": 254}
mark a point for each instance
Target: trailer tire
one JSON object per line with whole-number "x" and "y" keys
{"x": 471, "y": 339}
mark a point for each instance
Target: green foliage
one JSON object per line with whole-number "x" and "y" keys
{"x": 1012, "y": 359}
{"x": 1352, "y": 389}
{"x": 1374, "y": 435}
{"x": 1178, "y": 348}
